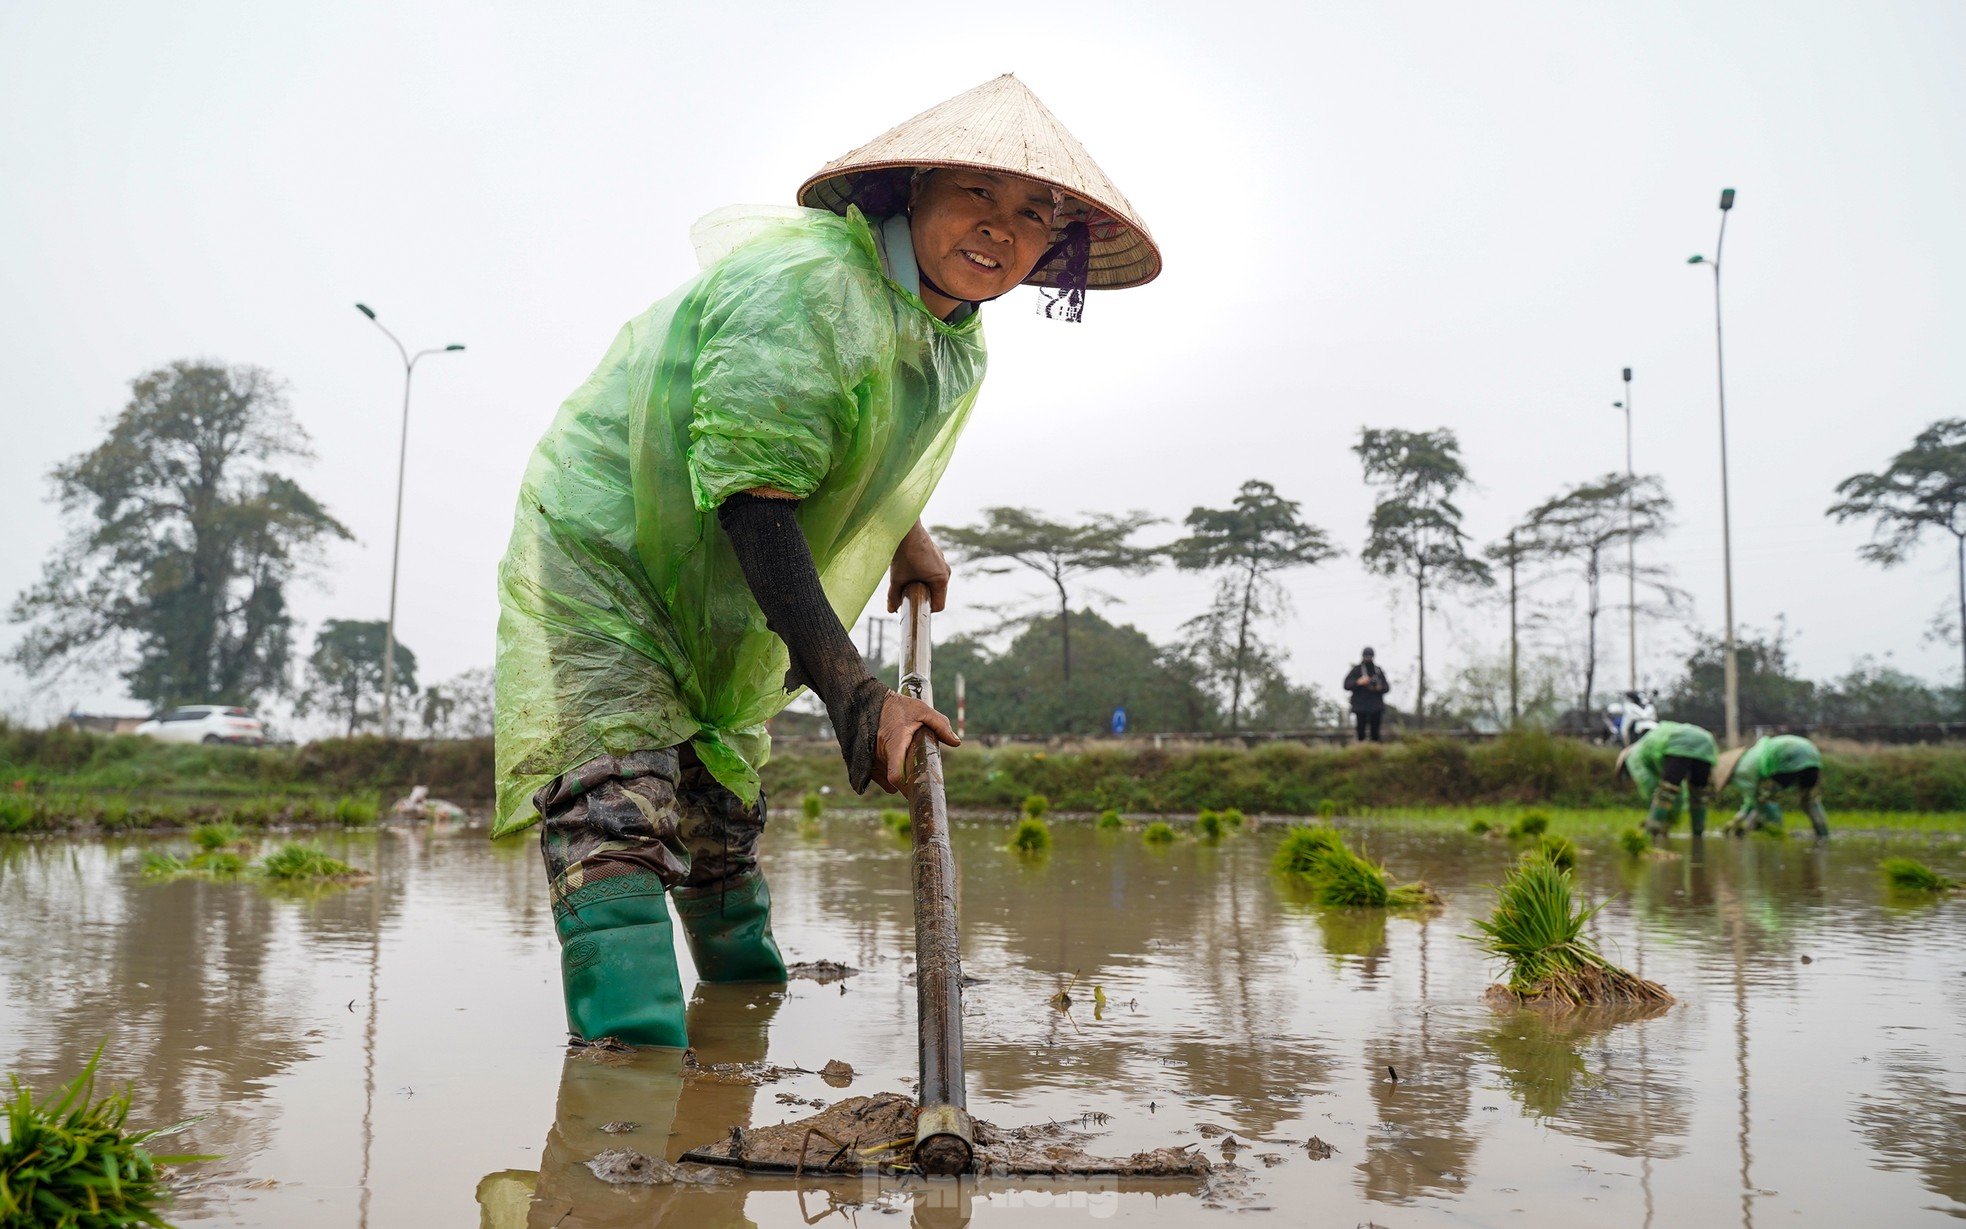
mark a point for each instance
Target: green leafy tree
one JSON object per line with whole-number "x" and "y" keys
{"x": 1874, "y": 694}
{"x": 1248, "y": 544}
{"x": 1924, "y": 488}
{"x": 1585, "y": 528}
{"x": 1059, "y": 551}
{"x": 1016, "y": 691}
{"x": 182, "y": 540}
{"x": 1771, "y": 694}
{"x": 344, "y": 673}
{"x": 1415, "y": 527}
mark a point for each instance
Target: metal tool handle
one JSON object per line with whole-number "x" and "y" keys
{"x": 944, "y": 1135}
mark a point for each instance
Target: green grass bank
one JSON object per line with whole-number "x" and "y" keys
{"x": 51, "y": 780}
{"x": 1414, "y": 775}
{"x": 58, "y": 779}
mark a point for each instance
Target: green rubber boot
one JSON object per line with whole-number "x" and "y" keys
{"x": 618, "y": 963}
{"x": 729, "y": 930}
{"x": 1696, "y": 811}
{"x": 1665, "y": 805}
{"x": 1812, "y": 803}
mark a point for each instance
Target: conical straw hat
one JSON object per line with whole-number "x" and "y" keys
{"x": 1723, "y": 769}
{"x": 1001, "y": 126}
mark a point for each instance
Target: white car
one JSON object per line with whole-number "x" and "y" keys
{"x": 205, "y": 723}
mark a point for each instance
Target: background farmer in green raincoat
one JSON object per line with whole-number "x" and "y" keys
{"x": 728, "y": 487}
{"x": 1763, "y": 771}
{"x": 1671, "y": 760}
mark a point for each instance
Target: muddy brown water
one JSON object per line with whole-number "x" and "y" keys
{"x": 389, "y": 1054}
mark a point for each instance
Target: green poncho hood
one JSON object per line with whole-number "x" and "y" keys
{"x": 792, "y": 362}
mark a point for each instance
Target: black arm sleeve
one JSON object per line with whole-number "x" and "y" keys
{"x": 778, "y": 567}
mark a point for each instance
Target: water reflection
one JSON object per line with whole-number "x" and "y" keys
{"x": 1917, "y": 1122}
{"x": 390, "y": 1053}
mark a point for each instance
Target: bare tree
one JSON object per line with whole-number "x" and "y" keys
{"x": 1249, "y": 544}
{"x": 1579, "y": 529}
{"x": 1415, "y": 527}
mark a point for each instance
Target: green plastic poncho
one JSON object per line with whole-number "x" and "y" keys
{"x": 1646, "y": 763}
{"x": 791, "y": 362}
{"x": 1770, "y": 756}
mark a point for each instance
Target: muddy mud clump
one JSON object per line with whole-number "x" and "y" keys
{"x": 824, "y": 972}
{"x": 627, "y": 1167}
{"x": 876, "y": 1134}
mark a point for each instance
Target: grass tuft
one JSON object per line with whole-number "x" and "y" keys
{"x": 72, "y": 1160}
{"x": 1538, "y": 932}
{"x": 1532, "y": 823}
{"x": 1911, "y": 875}
{"x": 1160, "y": 832}
{"x": 1033, "y": 836}
{"x": 355, "y": 812}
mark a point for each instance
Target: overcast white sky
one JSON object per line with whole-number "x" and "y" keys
{"x": 1416, "y": 215}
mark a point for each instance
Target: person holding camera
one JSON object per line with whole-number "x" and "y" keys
{"x": 1368, "y": 685}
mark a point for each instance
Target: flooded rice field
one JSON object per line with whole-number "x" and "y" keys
{"x": 390, "y": 1054}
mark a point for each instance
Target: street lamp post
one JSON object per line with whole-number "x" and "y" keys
{"x": 1631, "y": 550}
{"x": 1730, "y": 667}
{"x": 396, "y": 544}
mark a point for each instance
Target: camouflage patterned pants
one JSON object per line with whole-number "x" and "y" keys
{"x": 652, "y": 812}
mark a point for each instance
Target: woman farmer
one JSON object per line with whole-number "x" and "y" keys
{"x": 753, "y": 452}
{"x": 1763, "y": 771}
{"x": 1670, "y": 759}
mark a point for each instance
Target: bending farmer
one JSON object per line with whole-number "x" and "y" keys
{"x": 749, "y": 458}
{"x": 1763, "y": 771}
{"x": 1672, "y": 760}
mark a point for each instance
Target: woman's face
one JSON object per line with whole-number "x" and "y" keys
{"x": 979, "y": 233}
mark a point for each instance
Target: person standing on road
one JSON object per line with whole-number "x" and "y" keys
{"x": 749, "y": 458}
{"x": 1669, "y": 759}
{"x": 1368, "y": 685}
{"x": 1763, "y": 771}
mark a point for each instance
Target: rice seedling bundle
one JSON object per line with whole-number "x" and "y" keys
{"x": 1033, "y": 836}
{"x": 1208, "y": 826}
{"x": 302, "y": 864}
{"x": 73, "y": 1160}
{"x": 1911, "y": 875}
{"x": 1158, "y": 833}
{"x": 1319, "y": 856}
{"x": 1036, "y": 806}
{"x": 812, "y": 805}
{"x": 1109, "y": 818}
{"x": 1538, "y": 932}
{"x": 1634, "y": 842}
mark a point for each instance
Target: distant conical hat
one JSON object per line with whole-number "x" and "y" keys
{"x": 1723, "y": 769}
{"x": 1001, "y": 126}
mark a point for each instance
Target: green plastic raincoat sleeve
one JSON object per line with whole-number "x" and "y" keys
{"x": 781, "y": 359}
